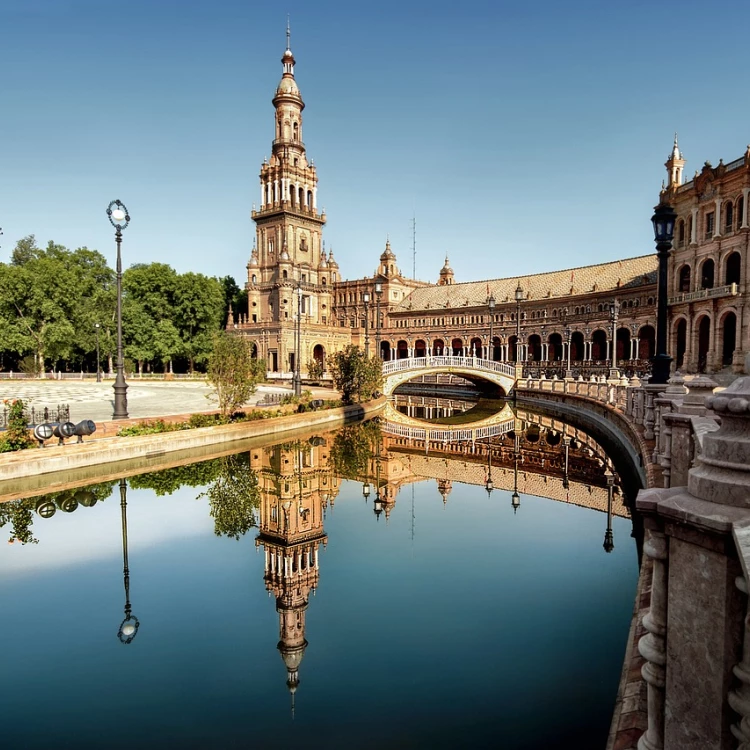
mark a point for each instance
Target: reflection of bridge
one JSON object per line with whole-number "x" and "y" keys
{"x": 396, "y": 423}
{"x": 477, "y": 370}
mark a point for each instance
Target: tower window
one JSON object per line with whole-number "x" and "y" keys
{"x": 709, "y": 225}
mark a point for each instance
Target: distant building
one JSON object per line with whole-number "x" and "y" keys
{"x": 708, "y": 284}
{"x": 289, "y": 269}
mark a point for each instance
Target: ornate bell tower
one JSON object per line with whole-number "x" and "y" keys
{"x": 288, "y": 269}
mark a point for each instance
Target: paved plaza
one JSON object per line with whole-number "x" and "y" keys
{"x": 92, "y": 400}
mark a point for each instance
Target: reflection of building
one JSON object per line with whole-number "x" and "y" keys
{"x": 708, "y": 290}
{"x": 418, "y": 317}
{"x": 295, "y": 486}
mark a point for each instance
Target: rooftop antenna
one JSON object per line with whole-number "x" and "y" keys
{"x": 414, "y": 246}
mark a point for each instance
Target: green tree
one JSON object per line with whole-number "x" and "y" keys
{"x": 315, "y": 369}
{"x": 358, "y": 377}
{"x": 353, "y": 447}
{"x": 199, "y": 307}
{"x": 17, "y": 436}
{"x": 232, "y": 371}
{"x": 167, "y": 481}
{"x": 20, "y": 515}
{"x": 233, "y": 296}
{"x": 233, "y": 497}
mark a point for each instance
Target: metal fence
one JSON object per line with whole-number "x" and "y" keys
{"x": 38, "y": 414}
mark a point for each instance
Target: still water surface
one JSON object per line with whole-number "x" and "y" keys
{"x": 447, "y": 620}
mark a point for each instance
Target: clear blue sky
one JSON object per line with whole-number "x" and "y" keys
{"x": 524, "y": 136}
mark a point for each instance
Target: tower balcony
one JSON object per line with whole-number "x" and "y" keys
{"x": 281, "y": 142}
{"x": 290, "y": 208}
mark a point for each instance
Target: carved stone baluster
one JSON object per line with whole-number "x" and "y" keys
{"x": 739, "y": 698}
{"x": 652, "y": 646}
{"x": 648, "y": 418}
{"x": 657, "y": 429}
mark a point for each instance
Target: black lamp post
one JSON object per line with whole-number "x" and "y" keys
{"x": 129, "y": 626}
{"x": 515, "y": 498}
{"x": 614, "y": 314}
{"x": 98, "y": 370}
{"x": 491, "y": 308}
{"x": 365, "y": 490}
{"x": 663, "y": 221}
{"x": 519, "y": 297}
{"x": 296, "y": 377}
{"x": 378, "y": 294}
{"x": 609, "y": 542}
{"x": 569, "y": 340}
{"x": 366, "y": 300}
{"x": 566, "y": 444}
{"x": 119, "y": 219}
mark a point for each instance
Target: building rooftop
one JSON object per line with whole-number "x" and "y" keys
{"x": 603, "y": 277}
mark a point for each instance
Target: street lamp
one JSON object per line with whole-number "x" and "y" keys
{"x": 98, "y": 371}
{"x": 119, "y": 218}
{"x": 129, "y": 626}
{"x": 614, "y": 312}
{"x": 566, "y": 443}
{"x": 663, "y": 221}
{"x": 515, "y": 498}
{"x": 491, "y": 307}
{"x": 569, "y": 340}
{"x": 296, "y": 377}
{"x": 609, "y": 542}
{"x": 366, "y": 300}
{"x": 365, "y": 490}
{"x": 378, "y": 294}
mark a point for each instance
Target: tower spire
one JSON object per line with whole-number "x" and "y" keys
{"x": 288, "y": 34}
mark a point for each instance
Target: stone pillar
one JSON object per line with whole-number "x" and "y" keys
{"x": 745, "y": 199}
{"x": 694, "y": 228}
{"x": 717, "y": 221}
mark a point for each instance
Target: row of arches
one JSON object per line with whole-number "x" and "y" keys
{"x": 699, "y": 345}
{"x": 597, "y": 346}
{"x": 706, "y": 276}
{"x": 730, "y": 220}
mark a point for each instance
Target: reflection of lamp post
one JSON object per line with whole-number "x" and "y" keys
{"x": 663, "y": 221}
{"x": 98, "y": 373}
{"x": 609, "y": 543}
{"x": 614, "y": 312}
{"x": 378, "y": 504}
{"x": 488, "y": 485}
{"x": 366, "y": 300}
{"x": 129, "y": 626}
{"x": 366, "y": 490}
{"x": 378, "y": 294}
{"x": 296, "y": 377}
{"x": 515, "y": 497}
{"x": 119, "y": 219}
{"x": 519, "y": 297}
{"x": 491, "y": 307}
{"x": 566, "y": 443}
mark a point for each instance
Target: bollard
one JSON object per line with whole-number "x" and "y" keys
{"x": 46, "y": 508}
{"x": 86, "y": 427}
{"x": 43, "y": 432}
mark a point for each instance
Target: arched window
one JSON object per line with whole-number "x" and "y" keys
{"x": 690, "y": 228}
{"x": 254, "y": 279}
{"x": 728, "y": 216}
{"x": 733, "y": 267}
{"x": 684, "y": 279}
{"x": 707, "y": 274}
{"x": 681, "y": 233}
{"x": 309, "y": 198}
{"x": 284, "y": 275}
{"x": 295, "y": 131}
{"x": 301, "y": 193}
{"x": 270, "y": 246}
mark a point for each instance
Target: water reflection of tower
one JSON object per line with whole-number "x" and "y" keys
{"x": 295, "y": 486}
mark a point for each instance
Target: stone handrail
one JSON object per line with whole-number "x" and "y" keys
{"x": 473, "y": 363}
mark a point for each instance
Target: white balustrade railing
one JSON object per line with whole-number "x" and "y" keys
{"x": 447, "y": 434}
{"x": 470, "y": 363}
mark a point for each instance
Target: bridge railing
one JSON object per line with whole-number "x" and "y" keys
{"x": 470, "y": 363}
{"x": 447, "y": 434}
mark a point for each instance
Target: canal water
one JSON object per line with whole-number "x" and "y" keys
{"x": 351, "y": 589}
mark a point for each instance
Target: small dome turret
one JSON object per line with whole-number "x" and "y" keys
{"x": 446, "y": 274}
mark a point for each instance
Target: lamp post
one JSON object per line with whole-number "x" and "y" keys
{"x": 614, "y": 313}
{"x": 296, "y": 377}
{"x": 566, "y": 444}
{"x": 663, "y": 221}
{"x": 129, "y": 626}
{"x": 519, "y": 297}
{"x": 378, "y": 294}
{"x": 569, "y": 340}
{"x": 366, "y": 300}
{"x": 491, "y": 308}
{"x": 119, "y": 218}
{"x": 98, "y": 371}
{"x": 515, "y": 498}
{"x": 365, "y": 490}
{"x": 609, "y": 542}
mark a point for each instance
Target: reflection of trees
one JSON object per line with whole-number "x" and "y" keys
{"x": 353, "y": 448}
{"x": 19, "y": 513}
{"x": 167, "y": 481}
{"x": 233, "y": 497}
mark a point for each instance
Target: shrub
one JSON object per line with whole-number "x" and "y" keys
{"x": 16, "y": 437}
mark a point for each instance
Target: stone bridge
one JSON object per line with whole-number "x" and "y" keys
{"x": 479, "y": 371}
